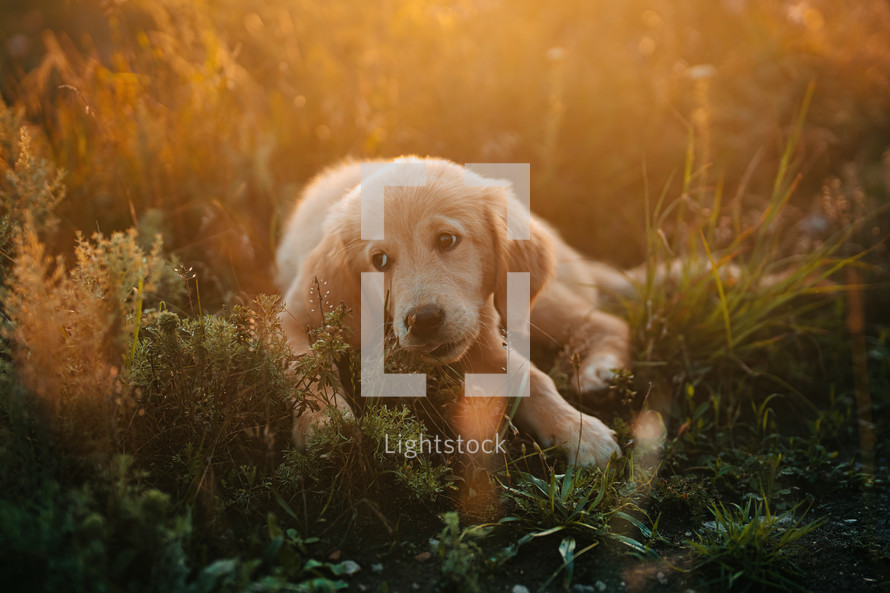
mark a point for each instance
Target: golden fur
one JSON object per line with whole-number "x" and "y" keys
{"x": 466, "y": 284}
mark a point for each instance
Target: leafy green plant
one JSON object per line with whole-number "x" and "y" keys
{"x": 358, "y": 456}
{"x": 460, "y": 554}
{"x": 94, "y": 538}
{"x": 582, "y": 501}
{"x": 246, "y": 486}
{"x": 330, "y": 352}
{"x": 282, "y": 565}
{"x": 212, "y": 395}
{"x": 750, "y": 546}
{"x": 576, "y": 499}
{"x": 355, "y": 455}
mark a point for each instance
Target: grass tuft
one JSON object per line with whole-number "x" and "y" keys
{"x": 749, "y": 546}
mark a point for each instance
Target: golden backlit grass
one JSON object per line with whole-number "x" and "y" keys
{"x": 200, "y": 120}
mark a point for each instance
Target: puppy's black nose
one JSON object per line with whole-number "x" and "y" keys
{"x": 424, "y": 321}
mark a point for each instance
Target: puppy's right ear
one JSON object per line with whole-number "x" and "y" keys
{"x": 324, "y": 282}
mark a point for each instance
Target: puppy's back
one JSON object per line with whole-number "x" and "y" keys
{"x": 305, "y": 227}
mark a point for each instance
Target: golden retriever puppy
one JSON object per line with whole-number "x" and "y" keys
{"x": 445, "y": 255}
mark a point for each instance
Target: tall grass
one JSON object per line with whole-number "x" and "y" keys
{"x": 718, "y": 316}
{"x": 180, "y": 116}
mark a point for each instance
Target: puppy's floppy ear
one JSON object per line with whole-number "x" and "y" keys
{"x": 534, "y": 255}
{"x": 326, "y": 270}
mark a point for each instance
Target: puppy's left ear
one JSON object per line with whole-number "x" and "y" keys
{"x": 325, "y": 270}
{"x": 534, "y": 255}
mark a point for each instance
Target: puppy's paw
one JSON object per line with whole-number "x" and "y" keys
{"x": 589, "y": 442}
{"x": 307, "y": 422}
{"x": 598, "y": 370}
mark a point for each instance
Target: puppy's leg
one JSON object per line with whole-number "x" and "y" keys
{"x": 307, "y": 421}
{"x": 584, "y": 439}
{"x": 602, "y": 341}
{"x": 307, "y": 418}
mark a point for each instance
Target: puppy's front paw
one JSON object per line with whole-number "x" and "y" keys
{"x": 589, "y": 442}
{"x": 598, "y": 370}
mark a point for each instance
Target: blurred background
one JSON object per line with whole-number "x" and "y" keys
{"x": 202, "y": 119}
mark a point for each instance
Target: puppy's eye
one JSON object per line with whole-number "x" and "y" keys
{"x": 446, "y": 241}
{"x": 380, "y": 261}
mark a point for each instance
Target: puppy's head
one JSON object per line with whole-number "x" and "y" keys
{"x": 444, "y": 253}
